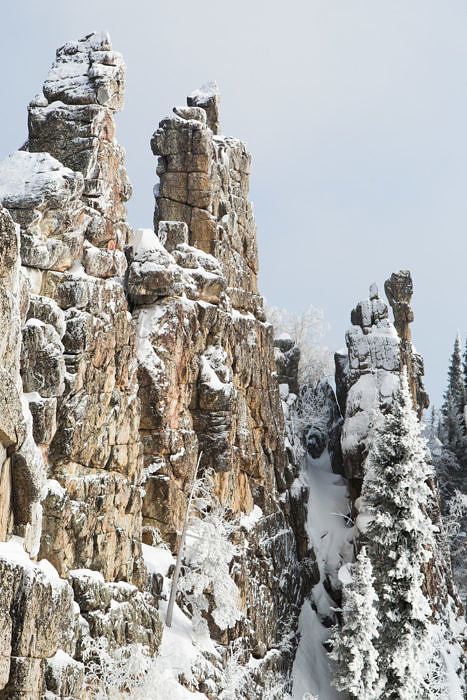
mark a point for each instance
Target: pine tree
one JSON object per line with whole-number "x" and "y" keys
{"x": 400, "y": 534}
{"x": 465, "y": 369}
{"x": 453, "y": 431}
{"x": 353, "y": 646}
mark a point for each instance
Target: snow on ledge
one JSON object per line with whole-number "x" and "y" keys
{"x": 250, "y": 520}
{"x": 205, "y": 92}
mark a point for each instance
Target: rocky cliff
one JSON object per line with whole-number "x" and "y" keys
{"x": 124, "y": 358}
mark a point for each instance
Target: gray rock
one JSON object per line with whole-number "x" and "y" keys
{"x": 44, "y": 423}
{"x": 104, "y": 263}
{"x": 172, "y": 234}
{"x": 46, "y": 310}
{"x": 42, "y": 362}
{"x": 64, "y": 676}
{"x": 12, "y": 427}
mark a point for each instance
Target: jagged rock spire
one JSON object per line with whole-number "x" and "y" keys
{"x": 399, "y": 290}
{"x": 207, "y": 97}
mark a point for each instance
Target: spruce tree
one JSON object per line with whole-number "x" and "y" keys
{"x": 465, "y": 368}
{"x": 453, "y": 431}
{"x": 353, "y": 646}
{"x": 395, "y": 494}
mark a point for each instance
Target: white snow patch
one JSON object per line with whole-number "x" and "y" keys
{"x": 331, "y": 540}
{"x": 345, "y": 574}
{"x": 180, "y": 650}
{"x": 146, "y": 239}
{"x": 312, "y": 672}
{"x": 87, "y": 573}
{"x": 158, "y": 559}
{"x": 31, "y": 174}
{"x": 250, "y": 520}
{"x": 205, "y": 92}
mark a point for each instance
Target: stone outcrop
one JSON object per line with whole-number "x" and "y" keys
{"x": 371, "y": 379}
{"x": 126, "y": 357}
{"x": 287, "y": 356}
{"x": 70, "y": 455}
{"x": 399, "y": 290}
{"x": 207, "y": 376}
{"x": 204, "y": 183}
{"x": 377, "y": 350}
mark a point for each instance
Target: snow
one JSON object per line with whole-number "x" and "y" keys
{"x": 327, "y": 509}
{"x": 24, "y": 174}
{"x": 213, "y": 367}
{"x": 312, "y": 667}
{"x": 235, "y": 313}
{"x": 331, "y": 540}
{"x": 59, "y": 664}
{"x": 32, "y": 396}
{"x": 283, "y": 391}
{"x": 158, "y": 560}
{"x": 345, "y": 574}
{"x": 205, "y": 92}
{"x": 13, "y": 552}
{"x": 77, "y": 270}
{"x": 145, "y": 239}
{"x": 87, "y": 573}
{"x": 179, "y": 650}
{"x": 34, "y": 276}
{"x": 250, "y": 520}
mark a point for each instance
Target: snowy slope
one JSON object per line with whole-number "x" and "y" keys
{"x": 331, "y": 540}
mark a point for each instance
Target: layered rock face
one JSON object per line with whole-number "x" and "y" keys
{"x": 71, "y": 478}
{"x": 204, "y": 182}
{"x": 207, "y": 376}
{"x": 125, "y": 359}
{"x": 399, "y": 290}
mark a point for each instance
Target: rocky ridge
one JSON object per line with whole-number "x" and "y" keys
{"x": 124, "y": 358}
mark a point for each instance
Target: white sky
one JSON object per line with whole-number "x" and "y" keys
{"x": 355, "y": 112}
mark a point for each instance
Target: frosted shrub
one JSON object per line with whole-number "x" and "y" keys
{"x": 128, "y": 672}
{"x": 114, "y": 673}
{"x": 307, "y": 329}
{"x": 206, "y": 583}
{"x": 234, "y": 674}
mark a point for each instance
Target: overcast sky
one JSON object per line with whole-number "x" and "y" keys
{"x": 355, "y": 112}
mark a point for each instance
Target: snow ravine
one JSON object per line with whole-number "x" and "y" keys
{"x": 332, "y": 542}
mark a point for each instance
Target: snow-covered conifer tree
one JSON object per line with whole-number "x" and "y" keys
{"x": 354, "y": 649}
{"x": 465, "y": 369}
{"x": 453, "y": 431}
{"x": 400, "y": 534}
